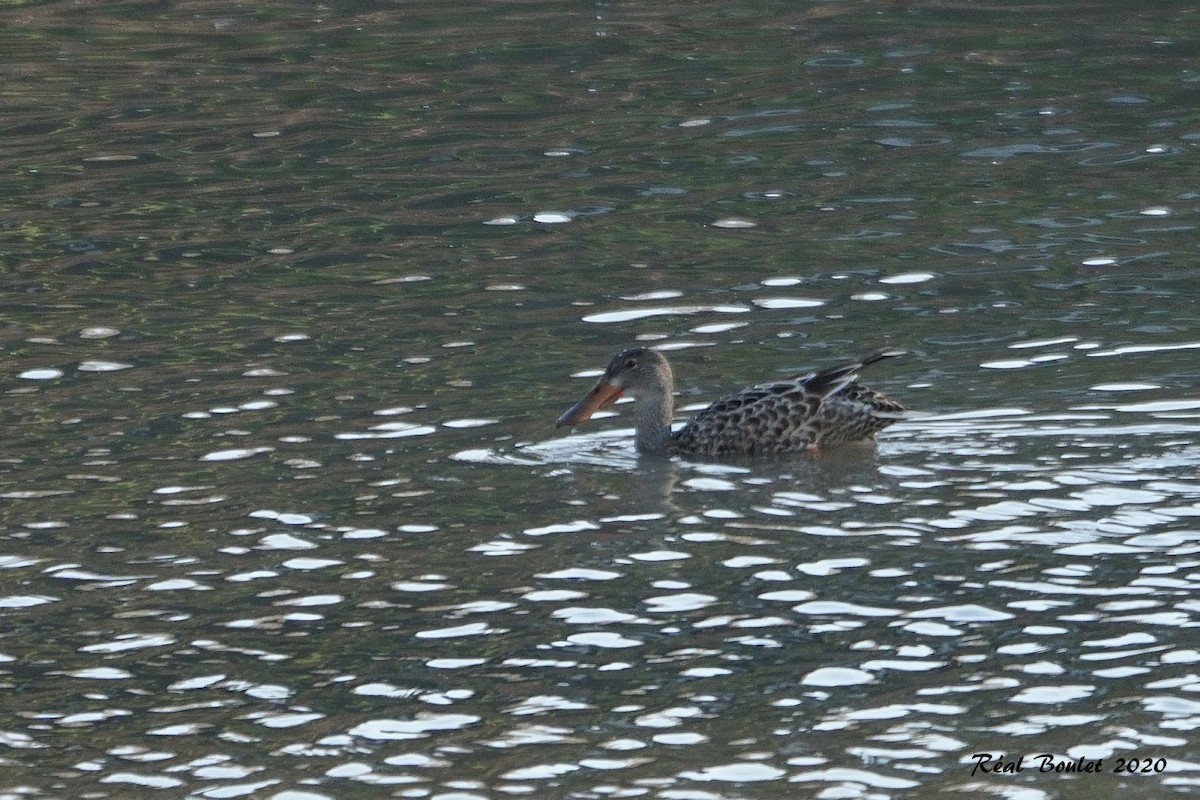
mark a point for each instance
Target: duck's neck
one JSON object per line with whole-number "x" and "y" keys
{"x": 652, "y": 416}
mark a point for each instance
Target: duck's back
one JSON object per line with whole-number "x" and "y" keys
{"x": 786, "y": 417}
{"x": 767, "y": 418}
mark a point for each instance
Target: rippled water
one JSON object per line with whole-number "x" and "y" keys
{"x": 294, "y": 294}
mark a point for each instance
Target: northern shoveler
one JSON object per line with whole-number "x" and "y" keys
{"x": 811, "y": 412}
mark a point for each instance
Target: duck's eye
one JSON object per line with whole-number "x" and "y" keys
{"x": 631, "y": 363}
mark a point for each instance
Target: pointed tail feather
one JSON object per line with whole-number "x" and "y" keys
{"x": 829, "y": 382}
{"x": 880, "y": 355}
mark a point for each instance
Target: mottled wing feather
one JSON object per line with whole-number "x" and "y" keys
{"x": 855, "y": 414}
{"x": 770, "y": 418}
{"x": 788, "y": 417}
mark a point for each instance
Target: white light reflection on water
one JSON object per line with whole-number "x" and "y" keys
{"x": 226, "y": 578}
{"x": 1015, "y": 515}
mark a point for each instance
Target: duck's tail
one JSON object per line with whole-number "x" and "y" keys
{"x": 830, "y": 381}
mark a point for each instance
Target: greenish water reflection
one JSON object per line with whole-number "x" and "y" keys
{"x": 294, "y": 293}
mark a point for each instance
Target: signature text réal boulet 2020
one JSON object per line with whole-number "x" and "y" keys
{"x": 989, "y": 763}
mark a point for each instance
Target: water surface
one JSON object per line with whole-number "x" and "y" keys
{"x": 294, "y": 294}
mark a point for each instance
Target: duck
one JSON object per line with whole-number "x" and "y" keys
{"x": 809, "y": 413}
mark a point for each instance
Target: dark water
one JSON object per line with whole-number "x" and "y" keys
{"x": 292, "y": 297}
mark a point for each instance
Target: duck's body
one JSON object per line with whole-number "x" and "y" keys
{"x": 810, "y": 413}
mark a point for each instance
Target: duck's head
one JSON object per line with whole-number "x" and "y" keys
{"x": 638, "y": 372}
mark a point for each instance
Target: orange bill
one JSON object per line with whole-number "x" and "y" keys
{"x": 602, "y": 396}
